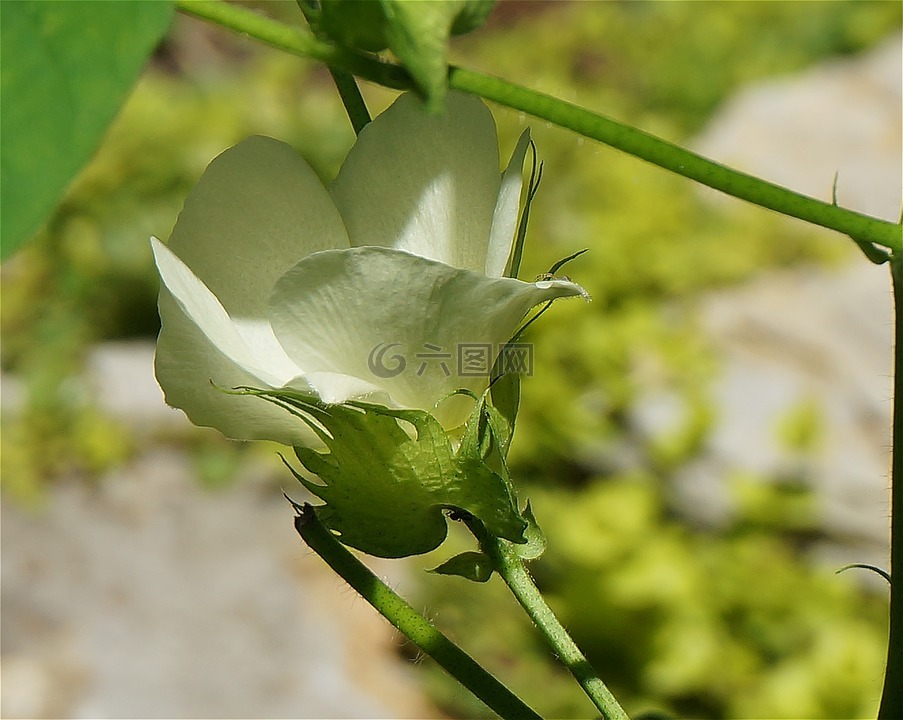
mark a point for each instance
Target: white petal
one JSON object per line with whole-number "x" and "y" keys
{"x": 365, "y": 312}
{"x": 256, "y": 211}
{"x": 187, "y": 362}
{"x": 507, "y": 210}
{"x": 334, "y": 387}
{"x": 198, "y": 304}
{"x": 424, "y": 183}
{"x": 268, "y": 353}
{"x": 199, "y": 346}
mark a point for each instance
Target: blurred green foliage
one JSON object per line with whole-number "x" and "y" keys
{"x": 733, "y": 623}
{"x": 675, "y": 620}
{"x": 89, "y": 275}
{"x": 686, "y": 621}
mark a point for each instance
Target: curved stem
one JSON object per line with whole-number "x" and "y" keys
{"x": 511, "y": 568}
{"x": 295, "y": 40}
{"x": 677, "y": 159}
{"x": 418, "y": 629}
{"x": 865, "y": 229}
{"x": 892, "y": 696}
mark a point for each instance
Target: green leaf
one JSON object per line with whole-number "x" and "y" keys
{"x": 472, "y": 16}
{"x": 513, "y": 267}
{"x": 65, "y": 69}
{"x": 475, "y": 566}
{"x": 505, "y": 394}
{"x": 389, "y": 475}
{"x": 418, "y": 33}
{"x": 359, "y": 24}
{"x": 487, "y": 435}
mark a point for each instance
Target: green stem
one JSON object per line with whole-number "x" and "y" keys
{"x": 511, "y": 568}
{"x": 295, "y": 40}
{"x": 677, "y": 159}
{"x": 635, "y": 142}
{"x": 418, "y": 629}
{"x": 351, "y": 99}
{"x": 892, "y": 697}
{"x": 345, "y": 84}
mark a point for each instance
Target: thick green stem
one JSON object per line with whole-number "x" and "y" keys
{"x": 415, "y": 627}
{"x": 511, "y": 568}
{"x": 892, "y": 697}
{"x": 635, "y": 142}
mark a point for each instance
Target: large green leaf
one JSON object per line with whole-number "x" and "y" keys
{"x": 65, "y": 69}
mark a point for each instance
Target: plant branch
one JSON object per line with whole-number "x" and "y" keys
{"x": 892, "y": 696}
{"x": 864, "y": 229}
{"x": 677, "y": 159}
{"x": 295, "y": 40}
{"x": 512, "y": 570}
{"x": 352, "y": 99}
{"x": 397, "y": 611}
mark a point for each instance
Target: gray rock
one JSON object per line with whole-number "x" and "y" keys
{"x": 816, "y": 337}
{"x": 119, "y": 379}
{"x": 812, "y": 335}
{"x": 146, "y": 596}
{"x": 842, "y": 117}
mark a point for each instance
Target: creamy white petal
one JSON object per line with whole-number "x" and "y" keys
{"x": 268, "y": 353}
{"x": 507, "y": 210}
{"x": 332, "y": 387}
{"x": 366, "y": 312}
{"x": 187, "y": 363}
{"x": 424, "y": 183}
{"x": 200, "y": 350}
{"x": 199, "y": 305}
{"x": 256, "y": 211}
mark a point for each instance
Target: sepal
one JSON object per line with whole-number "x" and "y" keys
{"x": 387, "y": 476}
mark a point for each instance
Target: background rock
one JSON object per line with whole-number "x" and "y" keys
{"x": 811, "y": 335}
{"x": 148, "y": 596}
{"x": 841, "y": 117}
{"x": 788, "y": 339}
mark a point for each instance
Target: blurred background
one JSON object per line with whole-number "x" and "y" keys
{"x": 705, "y": 444}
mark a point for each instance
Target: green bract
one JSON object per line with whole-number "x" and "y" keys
{"x": 272, "y": 281}
{"x": 388, "y": 476}
{"x": 416, "y": 32}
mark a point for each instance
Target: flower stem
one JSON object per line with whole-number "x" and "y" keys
{"x": 892, "y": 696}
{"x": 351, "y": 99}
{"x": 349, "y": 92}
{"x": 417, "y": 628}
{"x": 864, "y": 228}
{"x": 511, "y": 568}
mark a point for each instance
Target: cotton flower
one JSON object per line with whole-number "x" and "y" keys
{"x": 271, "y": 280}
